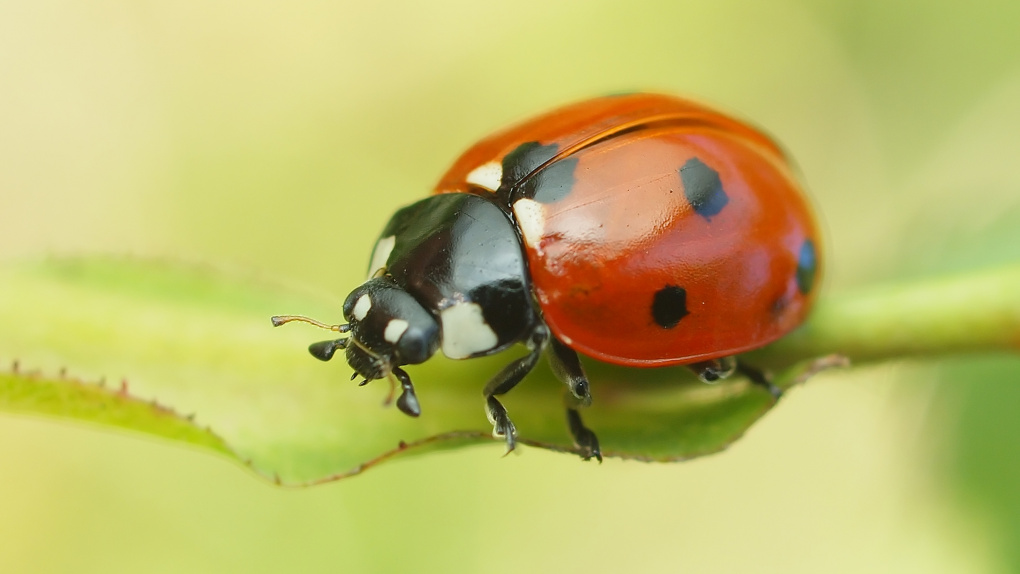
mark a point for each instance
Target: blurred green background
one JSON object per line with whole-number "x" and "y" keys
{"x": 250, "y": 135}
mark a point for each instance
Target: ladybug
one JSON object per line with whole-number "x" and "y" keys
{"x": 641, "y": 230}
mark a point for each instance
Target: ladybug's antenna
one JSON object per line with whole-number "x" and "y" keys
{"x": 283, "y": 319}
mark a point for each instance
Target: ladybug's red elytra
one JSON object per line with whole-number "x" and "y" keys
{"x": 641, "y": 230}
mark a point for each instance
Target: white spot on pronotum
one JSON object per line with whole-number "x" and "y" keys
{"x": 381, "y": 254}
{"x": 465, "y": 331}
{"x": 361, "y": 307}
{"x": 531, "y": 219}
{"x": 394, "y": 330}
{"x": 488, "y": 175}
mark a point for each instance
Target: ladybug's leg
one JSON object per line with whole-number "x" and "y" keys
{"x": 567, "y": 368}
{"x": 714, "y": 370}
{"x": 508, "y": 379}
{"x": 717, "y": 369}
{"x": 758, "y": 377}
{"x": 408, "y": 400}
{"x": 584, "y": 437}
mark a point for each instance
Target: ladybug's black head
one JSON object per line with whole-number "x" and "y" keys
{"x": 388, "y": 327}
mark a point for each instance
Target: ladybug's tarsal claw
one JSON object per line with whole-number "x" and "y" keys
{"x": 501, "y": 424}
{"x": 585, "y": 440}
{"x": 511, "y": 444}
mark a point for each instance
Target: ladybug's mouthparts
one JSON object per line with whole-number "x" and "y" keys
{"x": 363, "y": 360}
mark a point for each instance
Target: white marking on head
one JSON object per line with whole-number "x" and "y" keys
{"x": 488, "y": 175}
{"x": 394, "y": 330}
{"x": 465, "y": 331}
{"x": 361, "y": 307}
{"x": 381, "y": 254}
{"x": 531, "y": 219}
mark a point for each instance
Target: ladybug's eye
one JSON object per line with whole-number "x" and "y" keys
{"x": 390, "y": 324}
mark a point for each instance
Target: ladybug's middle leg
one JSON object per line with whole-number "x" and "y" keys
{"x": 508, "y": 379}
{"x": 568, "y": 369}
{"x": 715, "y": 369}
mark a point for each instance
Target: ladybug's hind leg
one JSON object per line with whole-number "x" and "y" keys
{"x": 758, "y": 377}
{"x": 567, "y": 368}
{"x": 721, "y": 368}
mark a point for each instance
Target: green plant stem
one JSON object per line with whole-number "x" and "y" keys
{"x": 976, "y": 312}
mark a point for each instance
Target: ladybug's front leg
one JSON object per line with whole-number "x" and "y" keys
{"x": 508, "y": 379}
{"x": 568, "y": 369}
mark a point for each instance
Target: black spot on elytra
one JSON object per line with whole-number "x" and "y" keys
{"x": 551, "y": 184}
{"x": 669, "y": 306}
{"x": 525, "y": 159}
{"x": 807, "y": 266}
{"x": 703, "y": 188}
{"x": 780, "y": 305}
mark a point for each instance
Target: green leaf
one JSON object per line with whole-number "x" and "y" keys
{"x": 60, "y": 396}
{"x": 195, "y": 341}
